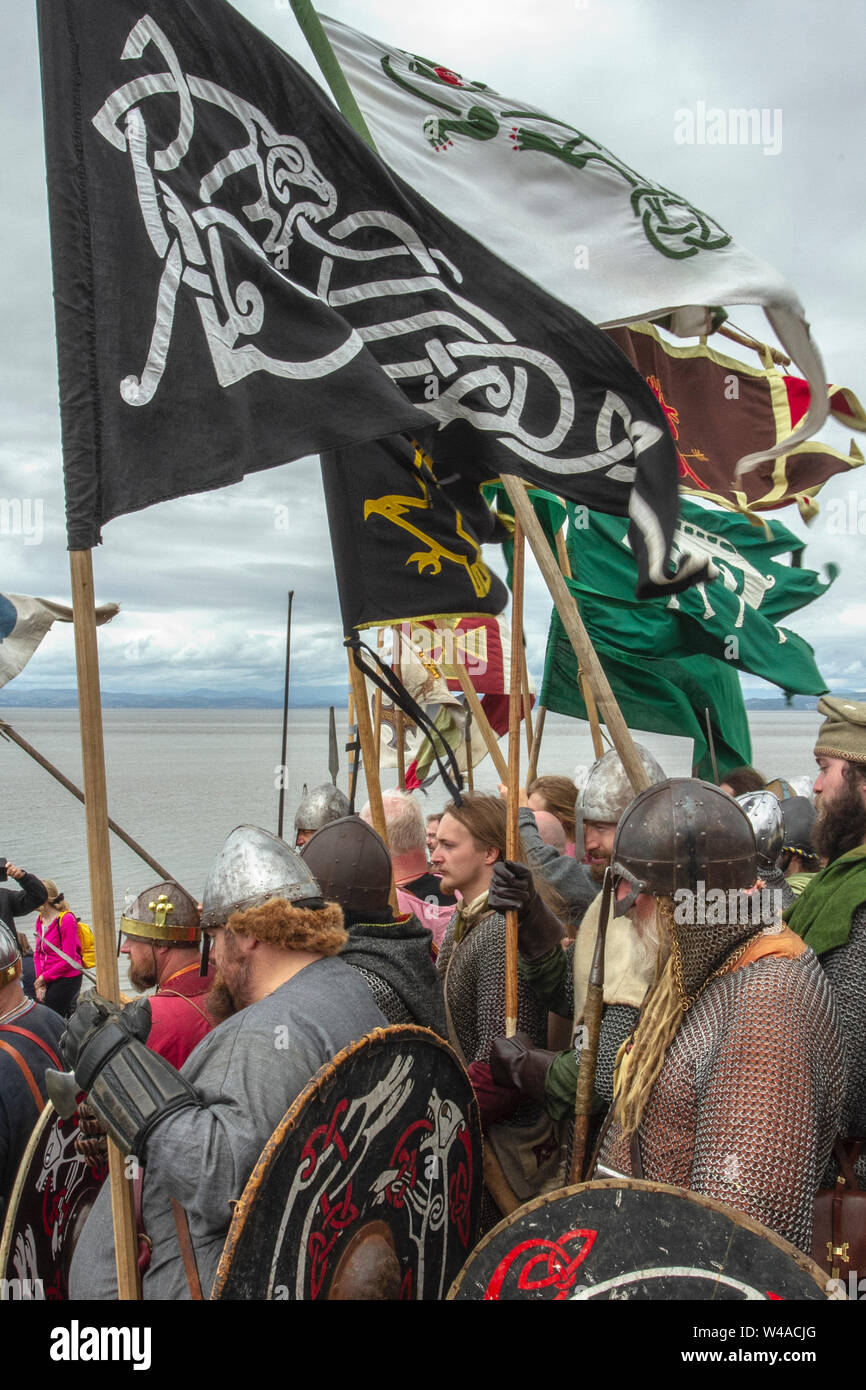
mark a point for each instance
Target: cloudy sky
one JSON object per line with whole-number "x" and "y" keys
{"x": 203, "y": 581}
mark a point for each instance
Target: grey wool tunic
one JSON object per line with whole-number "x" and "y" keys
{"x": 247, "y": 1072}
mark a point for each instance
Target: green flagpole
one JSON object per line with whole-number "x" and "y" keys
{"x": 311, "y": 27}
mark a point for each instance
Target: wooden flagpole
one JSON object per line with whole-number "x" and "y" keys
{"x": 512, "y": 832}
{"x": 577, "y": 633}
{"x": 585, "y": 685}
{"x": 282, "y": 797}
{"x": 470, "y": 770}
{"x": 6, "y": 731}
{"x": 527, "y": 700}
{"x": 377, "y": 705}
{"x": 532, "y": 767}
{"x": 369, "y": 761}
{"x": 585, "y": 1093}
{"x": 472, "y": 700}
{"x": 101, "y": 896}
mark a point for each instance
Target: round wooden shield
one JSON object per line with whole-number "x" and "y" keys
{"x": 371, "y": 1185}
{"x": 619, "y": 1238}
{"x": 53, "y": 1193}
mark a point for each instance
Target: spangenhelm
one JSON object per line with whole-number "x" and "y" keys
{"x": 678, "y": 834}
{"x": 252, "y": 867}
{"x": 321, "y": 806}
{"x": 164, "y": 912}
{"x": 607, "y": 790}
{"x": 798, "y": 817}
{"x": 10, "y": 955}
{"x": 765, "y": 816}
{"x": 351, "y": 863}
{"x": 689, "y": 841}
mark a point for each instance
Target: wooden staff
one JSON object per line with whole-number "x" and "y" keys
{"x": 592, "y": 713}
{"x": 7, "y": 731}
{"x": 400, "y": 720}
{"x": 282, "y": 797}
{"x": 527, "y": 700}
{"x": 377, "y": 707}
{"x": 512, "y": 832}
{"x": 585, "y": 685}
{"x": 577, "y": 634}
{"x": 368, "y": 758}
{"x": 592, "y": 1028}
{"x": 101, "y": 896}
{"x": 470, "y": 770}
{"x": 760, "y": 348}
{"x": 532, "y": 768}
{"x": 480, "y": 717}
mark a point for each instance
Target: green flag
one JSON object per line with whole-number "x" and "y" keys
{"x": 670, "y": 659}
{"x": 661, "y": 695}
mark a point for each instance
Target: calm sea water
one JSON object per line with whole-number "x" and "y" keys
{"x": 180, "y": 780}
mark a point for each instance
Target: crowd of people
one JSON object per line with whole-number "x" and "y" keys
{"x": 732, "y": 1047}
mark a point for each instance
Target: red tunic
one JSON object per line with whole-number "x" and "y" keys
{"x": 180, "y": 1019}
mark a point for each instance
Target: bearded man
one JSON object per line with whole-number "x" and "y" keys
{"x": 830, "y": 914}
{"x": 732, "y": 1084}
{"x": 162, "y": 942}
{"x": 198, "y": 1132}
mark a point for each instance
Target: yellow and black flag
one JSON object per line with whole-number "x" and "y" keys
{"x": 405, "y": 544}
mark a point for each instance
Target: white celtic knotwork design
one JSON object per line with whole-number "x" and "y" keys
{"x": 484, "y": 375}
{"x": 424, "y": 1199}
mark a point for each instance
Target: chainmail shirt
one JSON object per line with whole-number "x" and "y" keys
{"x": 385, "y": 998}
{"x": 747, "y": 1103}
{"x": 776, "y": 882}
{"x": 845, "y": 968}
{"x": 475, "y": 995}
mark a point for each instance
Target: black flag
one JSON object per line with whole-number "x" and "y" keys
{"x": 240, "y": 281}
{"x": 403, "y": 547}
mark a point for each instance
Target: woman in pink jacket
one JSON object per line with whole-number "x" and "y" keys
{"x": 57, "y": 982}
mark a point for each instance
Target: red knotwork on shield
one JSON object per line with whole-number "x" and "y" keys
{"x": 543, "y": 1264}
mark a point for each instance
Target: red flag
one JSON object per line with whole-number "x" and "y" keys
{"x": 718, "y": 409}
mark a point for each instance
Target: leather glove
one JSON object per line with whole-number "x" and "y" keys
{"x": 97, "y": 1029}
{"x": 519, "y": 1063}
{"x": 538, "y": 929}
{"x": 129, "y": 1088}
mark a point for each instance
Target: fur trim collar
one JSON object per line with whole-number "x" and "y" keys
{"x": 293, "y": 928}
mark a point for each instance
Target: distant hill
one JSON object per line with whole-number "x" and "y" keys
{"x": 307, "y": 697}
{"x": 16, "y": 695}
{"x": 799, "y": 701}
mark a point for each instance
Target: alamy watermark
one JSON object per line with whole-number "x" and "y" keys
{"x": 736, "y": 126}
{"x": 854, "y": 1289}
{"x": 26, "y": 1290}
{"x": 846, "y": 516}
{"x": 22, "y": 516}
{"x": 718, "y": 907}
{"x": 83, "y": 1343}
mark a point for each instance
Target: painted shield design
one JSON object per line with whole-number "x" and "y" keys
{"x": 371, "y": 1185}
{"x": 53, "y": 1193}
{"x": 620, "y": 1238}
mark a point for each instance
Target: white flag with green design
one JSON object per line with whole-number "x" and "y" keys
{"x": 551, "y": 201}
